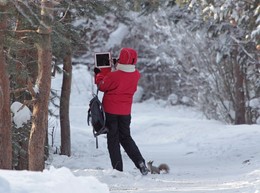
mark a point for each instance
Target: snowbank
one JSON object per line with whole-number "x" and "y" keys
{"x": 51, "y": 181}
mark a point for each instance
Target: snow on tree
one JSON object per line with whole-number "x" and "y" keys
{"x": 21, "y": 114}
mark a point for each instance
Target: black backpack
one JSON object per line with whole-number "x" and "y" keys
{"x": 97, "y": 117}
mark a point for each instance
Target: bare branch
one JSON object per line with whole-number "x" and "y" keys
{"x": 27, "y": 103}
{"x": 245, "y": 51}
{"x": 65, "y": 13}
{"x": 25, "y": 31}
{"x": 18, "y": 90}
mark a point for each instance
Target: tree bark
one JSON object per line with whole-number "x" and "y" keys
{"x": 26, "y": 68}
{"x": 5, "y": 114}
{"x": 40, "y": 108}
{"x": 64, "y": 106}
{"x": 65, "y": 95}
{"x": 240, "y": 109}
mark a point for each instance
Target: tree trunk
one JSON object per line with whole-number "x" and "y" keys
{"x": 240, "y": 109}
{"x": 64, "y": 106}
{"x": 5, "y": 114}
{"x": 26, "y": 68}
{"x": 65, "y": 96}
{"x": 40, "y": 108}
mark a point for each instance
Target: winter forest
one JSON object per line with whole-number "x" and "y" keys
{"x": 197, "y": 53}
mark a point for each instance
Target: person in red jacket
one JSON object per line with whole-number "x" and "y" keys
{"x": 119, "y": 87}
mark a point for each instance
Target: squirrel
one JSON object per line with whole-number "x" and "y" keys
{"x": 157, "y": 170}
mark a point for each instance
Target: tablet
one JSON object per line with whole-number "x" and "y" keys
{"x": 103, "y": 60}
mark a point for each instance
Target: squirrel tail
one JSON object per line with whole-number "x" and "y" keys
{"x": 164, "y": 167}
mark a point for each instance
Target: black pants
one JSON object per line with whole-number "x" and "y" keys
{"x": 119, "y": 133}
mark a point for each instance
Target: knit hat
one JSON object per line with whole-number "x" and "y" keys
{"x": 127, "y": 56}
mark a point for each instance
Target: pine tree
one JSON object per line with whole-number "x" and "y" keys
{"x": 5, "y": 114}
{"x": 40, "y": 107}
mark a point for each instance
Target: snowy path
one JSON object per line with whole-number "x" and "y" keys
{"x": 169, "y": 183}
{"x": 204, "y": 155}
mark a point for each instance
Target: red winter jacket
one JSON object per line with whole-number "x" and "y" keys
{"x": 119, "y": 88}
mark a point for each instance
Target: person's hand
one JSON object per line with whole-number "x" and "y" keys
{"x": 115, "y": 61}
{"x": 96, "y": 70}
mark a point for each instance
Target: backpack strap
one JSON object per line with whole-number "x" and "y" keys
{"x": 88, "y": 118}
{"x": 103, "y": 130}
{"x": 97, "y": 89}
{"x": 96, "y": 142}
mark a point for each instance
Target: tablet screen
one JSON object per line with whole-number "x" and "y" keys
{"x": 102, "y": 60}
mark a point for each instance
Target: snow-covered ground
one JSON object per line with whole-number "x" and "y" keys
{"x": 203, "y": 155}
